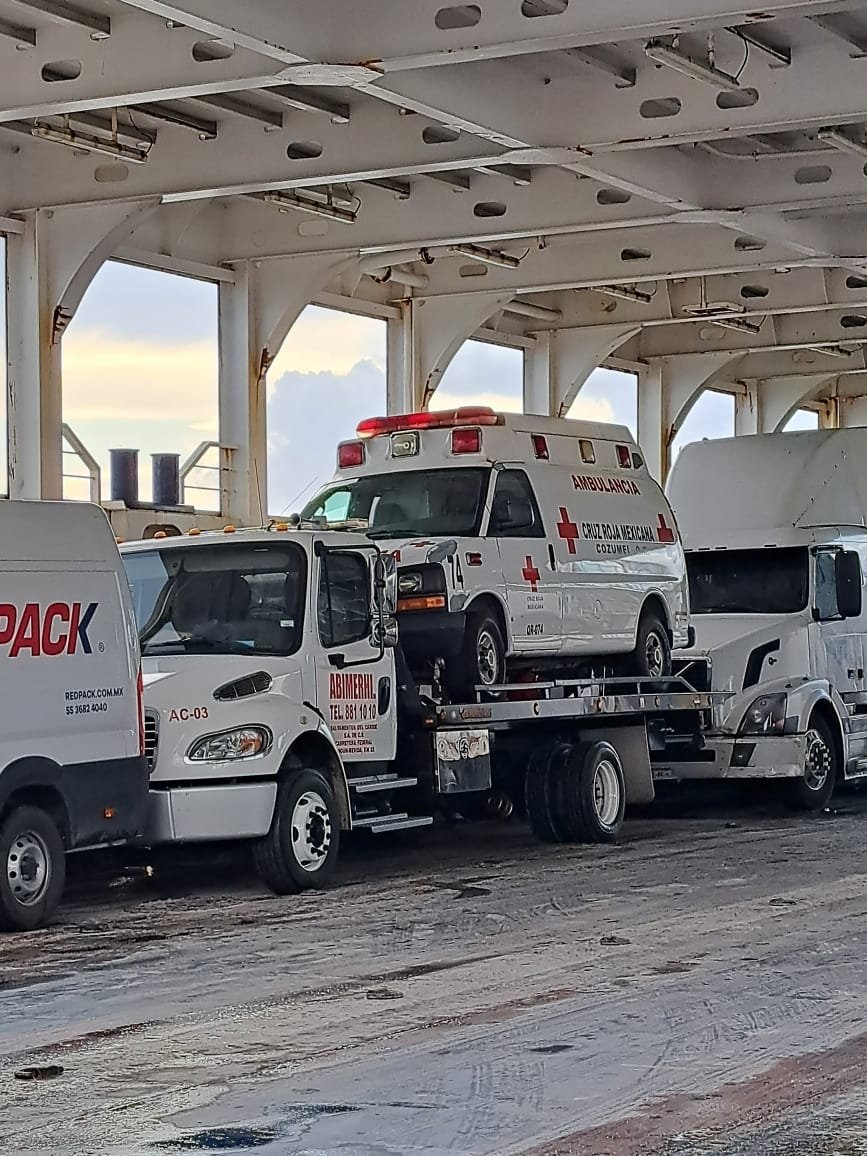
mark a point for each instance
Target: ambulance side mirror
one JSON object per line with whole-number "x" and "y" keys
{"x": 848, "y": 581}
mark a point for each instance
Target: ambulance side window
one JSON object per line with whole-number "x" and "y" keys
{"x": 343, "y": 607}
{"x": 514, "y": 512}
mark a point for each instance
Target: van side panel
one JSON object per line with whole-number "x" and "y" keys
{"x": 69, "y": 712}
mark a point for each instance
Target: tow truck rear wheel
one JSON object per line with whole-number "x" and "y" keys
{"x": 543, "y": 792}
{"x": 300, "y": 850}
{"x": 813, "y": 792}
{"x": 594, "y": 791}
{"x": 32, "y": 869}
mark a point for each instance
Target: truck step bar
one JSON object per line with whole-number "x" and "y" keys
{"x": 381, "y": 824}
{"x": 372, "y": 783}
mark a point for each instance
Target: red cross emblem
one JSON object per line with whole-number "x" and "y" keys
{"x": 531, "y": 573}
{"x": 664, "y": 532}
{"x": 567, "y": 530}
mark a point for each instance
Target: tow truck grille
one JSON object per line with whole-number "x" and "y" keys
{"x": 150, "y": 738}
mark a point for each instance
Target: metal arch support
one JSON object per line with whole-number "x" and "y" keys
{"x": 50, "y": 264}
{"x": 557, "y": 368}
{"x": 668, "y": 388}
{"x": 256, "y": 311}
{"x": 423, "y": 342}
{"x": 766, "y": 406}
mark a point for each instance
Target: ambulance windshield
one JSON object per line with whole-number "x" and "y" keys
{"x": 405, "y": 503}
{"x": 769, "y": 581}
{"x": 218, "y": 600}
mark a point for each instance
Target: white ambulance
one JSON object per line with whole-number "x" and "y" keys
{"x": 72, "y": 768}
{"x": 521, "y": 541}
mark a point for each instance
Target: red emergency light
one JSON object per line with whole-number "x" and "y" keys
{"x": 467, "y": 440}
{"x": 479, "y": 415}
{"x": 350, "y": 455}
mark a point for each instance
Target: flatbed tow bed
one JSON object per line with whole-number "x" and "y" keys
{"x": 572, "y": 754}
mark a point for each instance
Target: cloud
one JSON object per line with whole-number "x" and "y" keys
{"x": 107, "y": 376}
{"x": 592, "y": 409}
{"x": 308, "y": 414}
{"x": 326, "y": 341}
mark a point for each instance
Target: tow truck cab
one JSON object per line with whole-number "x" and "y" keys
{"x": 521, "y": 541}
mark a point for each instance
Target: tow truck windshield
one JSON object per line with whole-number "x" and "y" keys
{"x": 218, "y": 600}
{"x": 769, "y": 581}
{"x": 425, "y": 503}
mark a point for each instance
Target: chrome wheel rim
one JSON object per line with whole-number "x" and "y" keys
{"x": 311, "y": 831}
{"x": 817, "y": 762}
{"x": 654, "y": 655}
{"x": 28, "y": 868}
{"x": 606, "y": 793}
{"x": 487, "y": 658}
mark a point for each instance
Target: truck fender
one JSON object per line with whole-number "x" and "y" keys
{"x": 804, "y": 698}
{"x": 316, "y": 750}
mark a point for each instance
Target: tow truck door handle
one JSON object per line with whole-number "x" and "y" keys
{"x": 383, "y": 696}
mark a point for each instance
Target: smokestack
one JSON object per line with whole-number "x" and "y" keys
{"x": 124, "y": 477}
{"x": 166, "y": 480}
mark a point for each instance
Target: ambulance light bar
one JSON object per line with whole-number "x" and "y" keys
{"x": 373, "y": 427}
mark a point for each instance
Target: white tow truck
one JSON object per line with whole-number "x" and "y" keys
{"x": 776, "y": 541}
{"x": 279, "y": 709}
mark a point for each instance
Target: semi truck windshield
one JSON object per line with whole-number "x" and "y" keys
{"x": 424, "y": 503}
{"x": 221, "y": 600}
{"x": 769, "y": 581}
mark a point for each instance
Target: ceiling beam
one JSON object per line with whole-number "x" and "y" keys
{"x": 98, "y": 25}
{"x": 305, "y": 100}
{"x": 23, "y": 37}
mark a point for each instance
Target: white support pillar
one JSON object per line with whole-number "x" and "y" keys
{"x": 433, "y": 330}
{"x": 49, "y": 265}
{"x": 401, "y": 379}
{"x": 747, "y": 410}
{"x": 557, "y": 369}
{"x": 667, "y": 389}
{"x": 256, "y": 311}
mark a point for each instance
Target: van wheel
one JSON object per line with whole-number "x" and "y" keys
{"x": 595, "y": 793}
{"x": 652, "y": 655}
{"x": 814, "y": 790}
{"x": 300, "y": 850}
{"x": 482, "y": 661}
{"x": 32, "y": 869}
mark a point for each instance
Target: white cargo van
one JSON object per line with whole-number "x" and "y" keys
{"x": 775, "y": 529}
{"x": 520, "y": 540}
{"x": 72, "y": 771}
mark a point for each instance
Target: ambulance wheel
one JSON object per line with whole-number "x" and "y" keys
{"x": 543, "y": 793}
{"x": 300, "y": 850}
{"x": 652, "y": 655}
{"x": 595, "y": 793}
{"x": 32, "y": 869}
{"x": 482, "y": 661}
{"x": 813, "y": 792}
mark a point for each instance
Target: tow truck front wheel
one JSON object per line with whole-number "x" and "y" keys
{"x": 300, "y": 850}
{"x": 32, "y": 869}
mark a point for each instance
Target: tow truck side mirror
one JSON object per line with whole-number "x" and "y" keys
{"x": 385, "y": 584}
{"x": 384, "y": 634}
{"x": 848, "y": 580}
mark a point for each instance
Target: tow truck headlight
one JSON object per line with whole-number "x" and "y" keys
{"x": 766, "y": 716}
{"x": 241, "y": 743}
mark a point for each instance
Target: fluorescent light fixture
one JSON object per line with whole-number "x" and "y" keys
{"x": 661, "y": 53}
{"x": 842, "y": 142}
{"x": 624, "y": 293}
{"x": 91, "y": 144}
{"x": 711, "y": 310}
{"x": 285, "y": 201}
{"x": 488, "y": 256}
{"x": 738, "y": 324}
{"x": 830, "y": 350}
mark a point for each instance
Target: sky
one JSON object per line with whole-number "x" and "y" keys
{"x": 140, "y": 371}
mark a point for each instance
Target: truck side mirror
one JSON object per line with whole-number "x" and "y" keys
{"x": 848, "y": 580}
{"x": 385, "y": 584}
{"x": 384, "y": 633}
